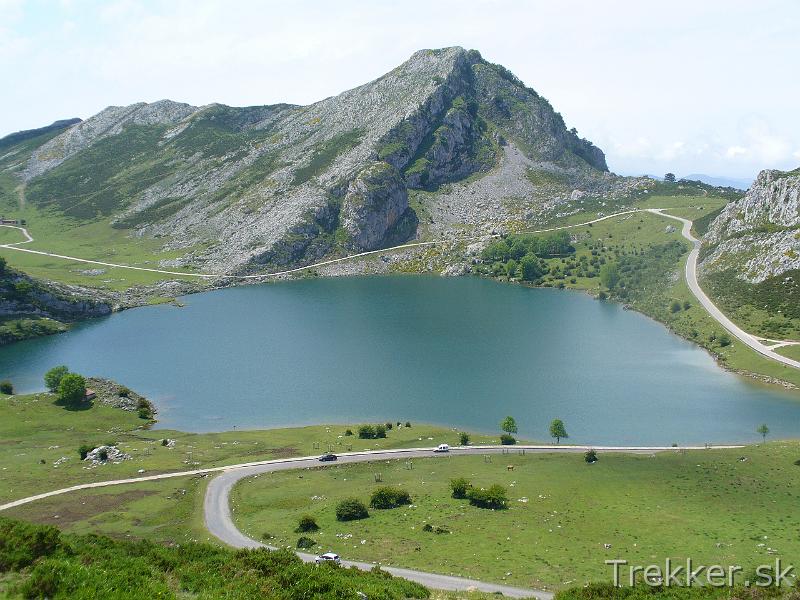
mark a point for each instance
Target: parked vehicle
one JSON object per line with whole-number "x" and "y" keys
{"x": 442, "y": 448}
{"x": 328, "y": 557}
{"x": 328, "y": 457}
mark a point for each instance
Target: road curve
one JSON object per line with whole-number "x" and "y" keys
{"x": 219, "y": 522}
{"x": 694, "y": 286}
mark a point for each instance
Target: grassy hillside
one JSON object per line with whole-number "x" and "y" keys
{"x": 39, "y": 562}
{"x": 717, "y": 506}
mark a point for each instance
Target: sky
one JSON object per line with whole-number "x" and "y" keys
{"x": 694, "y": 86}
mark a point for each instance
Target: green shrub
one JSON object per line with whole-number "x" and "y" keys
{"x": 53, "y": 377}
{"x": 366, "y": 432}
{"x": 307, "y": 523}
{"x": 124, "y": 391}
{"x": 72, "y": 389}
{"x": 351, "y": 509}
{"x": 6, "y": 387}
{"x": 590, "y": 456}
{"x": 348, "y": 432}
{"x": 460, "y": 487}
{"x": 23, "y": 543}
{"x": 305, "y": 542}
{"x": 463, "y": 438}
{"x": 389, "y": 497}
{"x": 408, "y": 424}
{"x": 427, "y": 527}
{"x": 380, "y": 431}
{"x": 84, "y": 450}
{"x": 507, "y": 439}
{"x": 493, "y": 497}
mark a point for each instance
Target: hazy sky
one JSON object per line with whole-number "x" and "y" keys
{"x": 685, "y": 86}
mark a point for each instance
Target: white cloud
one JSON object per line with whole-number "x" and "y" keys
{"x": 735, "y": 151}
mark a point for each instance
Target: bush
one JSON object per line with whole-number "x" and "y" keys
{"x": 507, "y": 439}
{"x": 351, "y": 509}
{"x": 590, "y": 456}
{"x": 165, "y": 442}
{"x": 84, "y": 450}
{"x": 366, "y": 432}
{"x": 72, "y": 389}
{"x": 389, "y": 497}
{"x": 124, "y": 391}
{"x": 23, "y": 543}
{"x": 460, "y": 487}
{"x": 724, "y": 340}
{"x": 408, "y": 424}
{"x": 388, "y": 426}
{"x": 307, "y": 523}
{"x": 380, "y": 431}
{"x": 427, "y": 527}
{"x": 6, "y": 387}
{"x": 305, "y": 543}
{"x": 53, "y": 377}
{"x": 349, "y": 432}
{"x": 463, "y": 438}
{"x": 493, "y": 497}
{"x": 103, "y": 455}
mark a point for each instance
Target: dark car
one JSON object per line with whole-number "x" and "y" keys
{"x": 328, "y": 457}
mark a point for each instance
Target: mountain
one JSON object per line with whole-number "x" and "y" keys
{"x": 448, "y": 135}
{"x": 739, "y": 184}
{"x": 20, "y": 136}
{"x": 759, "y": 235}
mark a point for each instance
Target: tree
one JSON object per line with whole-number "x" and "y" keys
{"x": 53, "y": 377}
{"x": 590, "y": 456}
{"x": 307, "y": 523}
{"x": 72, "y": 389}
{"x": 507, "y": 439}
{"x": 557, "y": 430}
{"x": 366, "y": 432}
{"x": 351, "y": 509}
{"x": 6, "y": 387}
{"x": 763, "y": 430}
{"x": 670, "y": 177}
{"x": 460, "y": 487}
{"x": 509, "y": 425}
{"x": 609, "y": 275}
{"x": 675, "y": 306}
{"x": 463, "y": 438}
{"x": 511, "y": 268}
{"x": 380, "y": 431}
{"x": 530, "y": 267}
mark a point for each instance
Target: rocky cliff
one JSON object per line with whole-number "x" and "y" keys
{"x": 253, "y": 188}
{"x": 759, "y": 235}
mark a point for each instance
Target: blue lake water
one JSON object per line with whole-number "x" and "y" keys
{"x": 462, "y": 352}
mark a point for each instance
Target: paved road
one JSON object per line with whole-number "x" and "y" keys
{"x": 694, "y": 286}
{"x": 219, "y": 522}
{"x": 218, "y": 517}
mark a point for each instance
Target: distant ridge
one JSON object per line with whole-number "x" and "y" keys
{"x": 26, "y": 134}
{"x": 739, "y": 184}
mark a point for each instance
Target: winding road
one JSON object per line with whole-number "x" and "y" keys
{"x": 218, "y": 520}
{"x": 691, "y": 279}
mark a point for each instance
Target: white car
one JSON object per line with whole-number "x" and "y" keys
{"x": 328, "y": 557}
{"x": 442, "y": 448}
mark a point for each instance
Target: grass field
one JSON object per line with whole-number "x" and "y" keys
{"x": 710, "y": 505}
{"x": 39, "y": 444}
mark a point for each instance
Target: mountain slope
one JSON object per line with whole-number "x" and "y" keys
{"x": 255, "y": 188}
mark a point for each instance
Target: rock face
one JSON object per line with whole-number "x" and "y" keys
{"x": 759, "y": 235}
{"x": 248, "y": 189}
{"x": 375, "y": 202}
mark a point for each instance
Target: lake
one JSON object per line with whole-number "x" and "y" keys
{"x": 462, "y": 352}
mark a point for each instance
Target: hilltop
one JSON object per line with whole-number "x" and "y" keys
{"x": 443, "y": 143}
